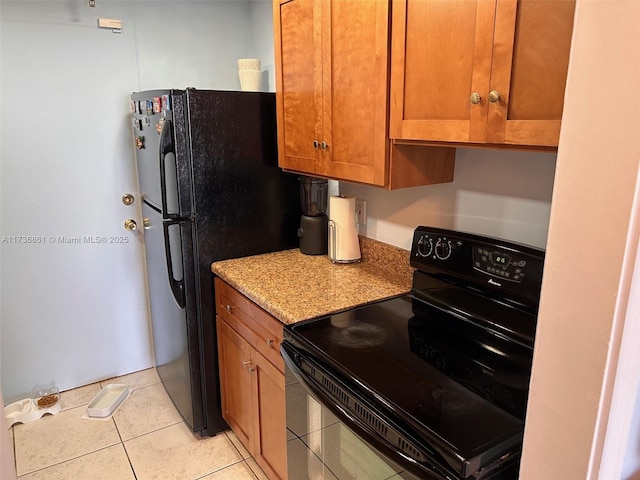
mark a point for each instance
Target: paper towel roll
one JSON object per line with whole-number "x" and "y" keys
{"x": 344, "y": 246}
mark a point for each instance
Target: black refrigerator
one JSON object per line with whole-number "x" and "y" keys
{"x": 211, "y": 190}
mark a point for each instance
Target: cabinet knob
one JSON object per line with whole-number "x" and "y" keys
{"x": 270, "y": 342}
{"x": 475, "y": 98}
{"x": 228, "y": 308}
{"x": 246, "y": 362}
{"x": 324, "y": 145}
{"x": 251, "y": 370}
{"x": 316, "y": 144}
{"x": 494, "y": 96}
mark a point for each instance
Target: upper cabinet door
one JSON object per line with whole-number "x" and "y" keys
{"x": 441, "y": 55}
{"x": 529, "y": 71}
{"x": 355, "y": 89}
{"x": 484, "y": 71}
{"x": 298, "y": 54}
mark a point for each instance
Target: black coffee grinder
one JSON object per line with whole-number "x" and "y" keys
{"x": 313, "y": 223}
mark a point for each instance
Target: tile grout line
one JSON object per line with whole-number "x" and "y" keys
{"x": 223, "y": 468}
{"x": 233, "y": 445}
{"x": 251, "y": 469}
{"x": 152, "y": 431}
{"x": 124, "y": 448}
{"x": 240, "y": 454}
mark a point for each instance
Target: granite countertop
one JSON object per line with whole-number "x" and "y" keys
{"x": 292, "y": 286}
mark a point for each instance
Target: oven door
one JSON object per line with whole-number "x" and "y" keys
{"x": 334, "y": 433}
{"x": 320, "y": 446}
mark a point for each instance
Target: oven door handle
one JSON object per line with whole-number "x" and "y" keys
{"x": 292, "y": 357}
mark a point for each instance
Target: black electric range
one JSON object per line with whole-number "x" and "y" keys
{"x": 436, "y": 380}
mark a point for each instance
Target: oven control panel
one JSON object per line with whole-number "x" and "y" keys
{"x": 491, "y": 264}
{"x": 505, "y": 265}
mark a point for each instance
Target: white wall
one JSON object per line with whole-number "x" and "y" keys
{"x": 500, "y": 193}
{"x": 71, "y": 309}
{"x": 262, "y": 41}
{"x": 76, "y": 314}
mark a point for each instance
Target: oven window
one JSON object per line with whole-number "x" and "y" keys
{"x": 321, "y": 447}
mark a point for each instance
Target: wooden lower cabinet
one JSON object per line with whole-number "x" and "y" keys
{"x": 268, "y": 444}
{"x": 252, "y": 386}
{"x": 235, "y": 381}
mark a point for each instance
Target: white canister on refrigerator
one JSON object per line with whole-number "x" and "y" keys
{"x": 344, "y": 246}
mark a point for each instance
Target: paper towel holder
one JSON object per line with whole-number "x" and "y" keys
{"x": 343, "y": 238}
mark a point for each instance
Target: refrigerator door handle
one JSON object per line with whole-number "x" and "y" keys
{"x": 177, "y": 286}
{"x": 166, "y": 146}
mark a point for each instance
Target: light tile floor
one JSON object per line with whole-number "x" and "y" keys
{"x": 144, "y": 439}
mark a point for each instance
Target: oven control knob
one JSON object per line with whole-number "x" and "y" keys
{"x": 443, "y": 249}
{"x": 425, "y": 246}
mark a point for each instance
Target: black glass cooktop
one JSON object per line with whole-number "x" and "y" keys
{"x": 458, "y": 386}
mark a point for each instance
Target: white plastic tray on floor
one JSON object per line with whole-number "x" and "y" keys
{"x": 107, "y": 400}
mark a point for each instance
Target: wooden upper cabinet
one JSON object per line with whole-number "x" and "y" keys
{"x": 484, "y": 71}
{"x": 332, "y": 89}
{"x": 333, "y": 58}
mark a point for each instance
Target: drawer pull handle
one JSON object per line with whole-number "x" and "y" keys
{"x": 228, "y": 308}
{"x": 251, "y": 370}
{"x": 270, "y": 342}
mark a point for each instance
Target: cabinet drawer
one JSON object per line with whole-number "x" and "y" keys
{"x": 261, "y": 330}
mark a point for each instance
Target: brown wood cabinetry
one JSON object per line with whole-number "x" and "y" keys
{"x": 484, "y": 71}
{"x": 252, "y": 378}
{"x": 332, "y": 89}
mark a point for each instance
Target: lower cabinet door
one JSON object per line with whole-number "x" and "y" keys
{"x": 234, "y": 355}
{"x": 269, "y": 439}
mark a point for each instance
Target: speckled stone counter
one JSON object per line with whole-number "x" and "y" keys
{"x": 293, "y": 287}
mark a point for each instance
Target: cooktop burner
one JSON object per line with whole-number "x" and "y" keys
{"x": 448, "y": 403}
{"x": 359, "y": 336}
